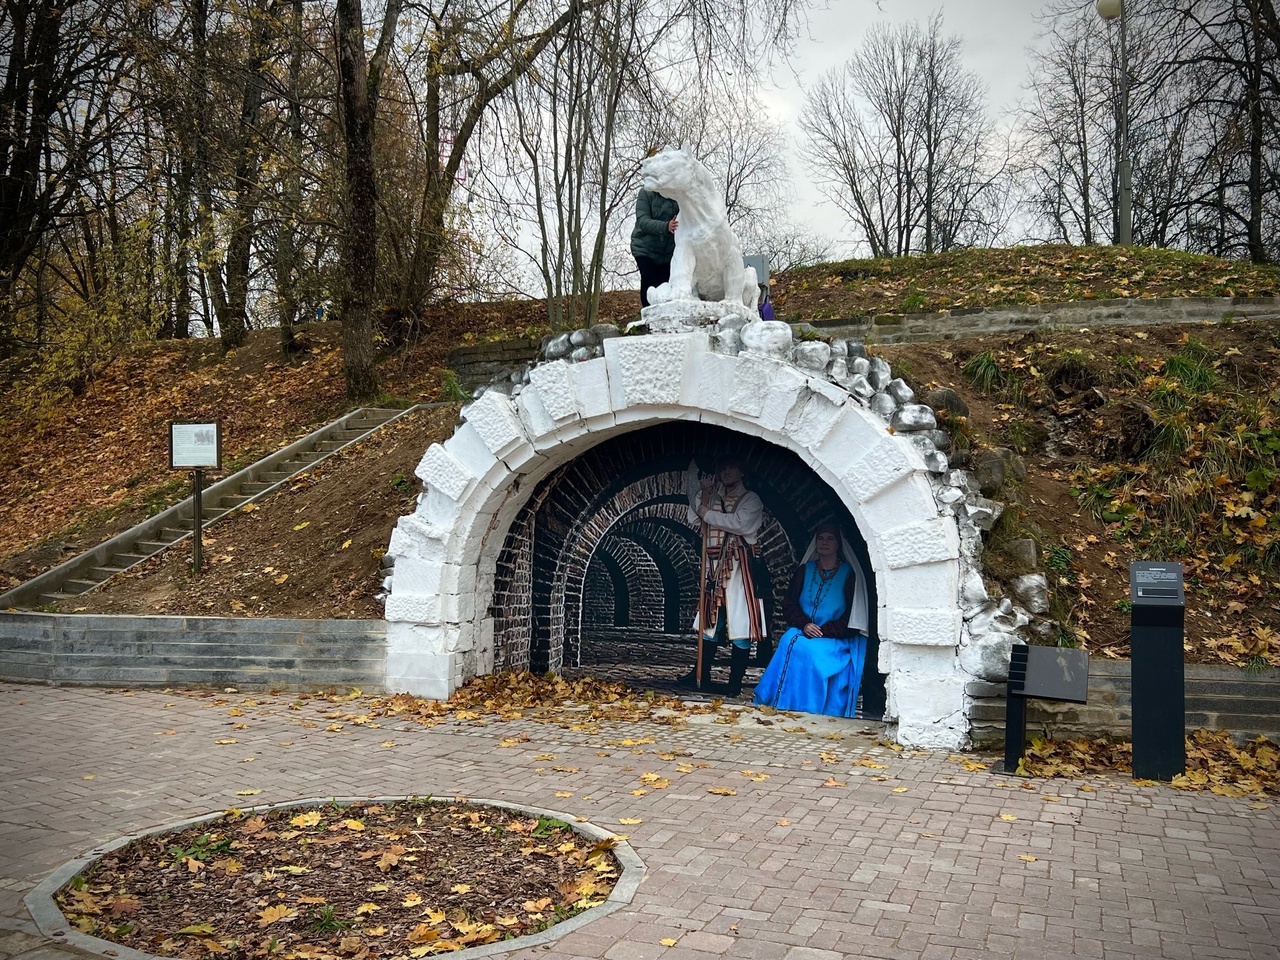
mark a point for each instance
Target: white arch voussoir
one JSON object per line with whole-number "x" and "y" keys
{"x": 445, "y": 552}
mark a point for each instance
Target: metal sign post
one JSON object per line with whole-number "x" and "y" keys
{"x": 195, "y": 446}
{"x": 1159, "y": 696}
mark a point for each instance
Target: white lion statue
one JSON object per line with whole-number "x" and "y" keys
{"x": 707, "y": 264}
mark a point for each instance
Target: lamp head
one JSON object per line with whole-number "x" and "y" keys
{"x": 1110, "y": 9}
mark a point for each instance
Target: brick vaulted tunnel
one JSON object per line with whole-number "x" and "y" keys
{"x": 612, "y": 554}
{"x": 555, "y": 514}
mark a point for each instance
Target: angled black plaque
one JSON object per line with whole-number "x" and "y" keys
{"x": 1057, "y": 673}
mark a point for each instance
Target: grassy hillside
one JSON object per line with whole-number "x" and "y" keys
{"x": 1152, "y": 443}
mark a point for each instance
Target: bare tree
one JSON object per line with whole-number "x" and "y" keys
{"x": 900, "y": 137}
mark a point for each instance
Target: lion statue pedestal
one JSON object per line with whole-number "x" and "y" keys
{"x": 709, "y": 282}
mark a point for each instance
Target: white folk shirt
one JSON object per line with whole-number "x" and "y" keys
{"x": 742, "y": 515}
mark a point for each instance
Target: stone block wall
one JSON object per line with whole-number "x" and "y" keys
{"x": 192, "y": 651}
{"x": 1217, "y": 697}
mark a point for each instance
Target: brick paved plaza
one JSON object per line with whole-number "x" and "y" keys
{"x": 917, "y": 858}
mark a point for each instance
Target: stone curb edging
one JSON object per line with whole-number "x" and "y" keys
{"x": 51, "y": 923}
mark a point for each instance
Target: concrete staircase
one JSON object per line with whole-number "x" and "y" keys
{"x": 83, "y": 573}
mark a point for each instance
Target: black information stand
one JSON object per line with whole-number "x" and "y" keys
{"x": 1159, "y": 697}
{"x": 1040, "y": 673}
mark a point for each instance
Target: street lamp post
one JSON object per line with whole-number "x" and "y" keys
{"x": 1111, "y": 10}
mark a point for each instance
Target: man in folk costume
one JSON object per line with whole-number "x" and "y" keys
{"x": 731, "y": 517}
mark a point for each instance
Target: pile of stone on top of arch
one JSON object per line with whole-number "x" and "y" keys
{"x": 993, "y": 620}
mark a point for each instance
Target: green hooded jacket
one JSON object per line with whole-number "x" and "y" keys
{"x": 650, "y": 236}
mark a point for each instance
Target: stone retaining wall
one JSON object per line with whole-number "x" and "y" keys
{"x": 1017, "y": 318}
{"x": 481, "y": 363}
{"x": 192, "y": 651}
{"x": 1217, "y": 697}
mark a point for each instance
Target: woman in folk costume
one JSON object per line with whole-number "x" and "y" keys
{"x": 818, "y": 664}
{"x": 731, "y": 517}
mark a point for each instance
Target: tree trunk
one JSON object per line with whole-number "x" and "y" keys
{"x": 286, "y": 247}
{"x": 360, "y": 236}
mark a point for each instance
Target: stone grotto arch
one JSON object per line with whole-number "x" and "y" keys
{"x": 474, "y": 589}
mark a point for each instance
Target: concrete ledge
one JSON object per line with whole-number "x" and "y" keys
{"x": 51, "y": 923}
{"x": 192, "y": 651}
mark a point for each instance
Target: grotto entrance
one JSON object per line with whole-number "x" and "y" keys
{"x": 599, "y": 570}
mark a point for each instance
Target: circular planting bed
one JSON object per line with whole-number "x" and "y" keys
{"x": 349, "y": 880}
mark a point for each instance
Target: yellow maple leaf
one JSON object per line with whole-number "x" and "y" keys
{"x": 270, "y": 915}
{"x": 1008, "y": 816}
{"x": 309, "y": 819}
{"x": 630, "y": 821}
{"x": 304, "y": 523}
{"x": 461, "y": 888}
{"x": 366, "y": 908}
{"x": 668, "y": 941}
{"x": 1027, "y": 857}
{"x": 355, "y": 825}
{"x": 412, "y": 900}
{"x": 899, "y": 789}
{"x": 345, "y": 544}
{"x": 723, "y": 791}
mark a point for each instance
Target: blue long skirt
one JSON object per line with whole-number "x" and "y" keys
{"x": 814, "y": 675}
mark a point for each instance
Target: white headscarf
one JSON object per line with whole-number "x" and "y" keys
{"x": 859, "y": 618}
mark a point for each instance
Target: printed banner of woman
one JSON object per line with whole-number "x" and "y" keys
{"x": 819, "y": 663}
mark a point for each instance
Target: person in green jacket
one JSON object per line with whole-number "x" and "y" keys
{"x": 653, "y": 240}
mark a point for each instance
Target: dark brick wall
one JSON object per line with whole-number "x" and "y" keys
{"x": 624, "y": 500}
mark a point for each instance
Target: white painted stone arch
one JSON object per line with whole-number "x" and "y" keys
{"x": 446, "y": 552}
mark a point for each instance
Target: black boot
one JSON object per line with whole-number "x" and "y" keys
{"x": 764, "y": 652}
{"x": 737, "y": 669}
{"x": 690, "y": 680}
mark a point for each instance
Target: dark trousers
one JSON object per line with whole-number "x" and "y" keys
{"x": 652, "y": 274}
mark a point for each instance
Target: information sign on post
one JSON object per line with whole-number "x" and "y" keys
{"x": 1039, "y": 673}
{"x": 1155, "y": 642}
{"x": 196, "y": 446}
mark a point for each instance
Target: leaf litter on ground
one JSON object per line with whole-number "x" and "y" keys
{"x": 422, "y": 877}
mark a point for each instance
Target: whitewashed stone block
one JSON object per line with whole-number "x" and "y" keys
{"x": 910, "y": 498}
{"x": 926, "y": 585}
{"x": 440, "y": 470}
{"x": 717, "y": 384}
{"x": 917, "y": 627}
{"x": 413, "y": 608}
{"x": 924, "y": 541}
{"x": 851, "y": 437}
{"x": 646, "y": 370}
{"x": 535, "y": 419}
{"x": 414, "y": 575}
{"x": 495, "y": 420}
{"x": 767, "y": 338}
{"x": 484, "y": 648}
{"x": 469, "y": 449}
{"x": 812, "y": 419}
{"x": 887, "y": 462}
{"x": 439, "y": 509}
{"x": 787, "y": 390}
{"x": 555, "y": 390}
{"x": 591, "y": 388}
{"x": 753, "y": 377}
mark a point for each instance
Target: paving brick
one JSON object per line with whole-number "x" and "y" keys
{"x": 859, "y": 871}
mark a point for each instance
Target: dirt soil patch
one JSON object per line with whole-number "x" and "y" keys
{"x": 405, "y": 879}
{"x": 311, "y": 550}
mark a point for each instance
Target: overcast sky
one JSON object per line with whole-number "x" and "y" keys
{"x": 996, "y": 34}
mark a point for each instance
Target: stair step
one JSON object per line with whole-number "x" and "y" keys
{"x": 49, "y": 598}
{"x": 347, "y": 435}
{"x": 152, "y": 546}
{"x": 126, "y": 560}
{"x": 98, "y": 574}
{"x": 256, "y": 487}
{"x": 170, "y": 535}
{"x": 75, "y": 587}
{"x": 230, "y": 502}
{"x": 328, "y": 446}
{"x": 307, "y": 456}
